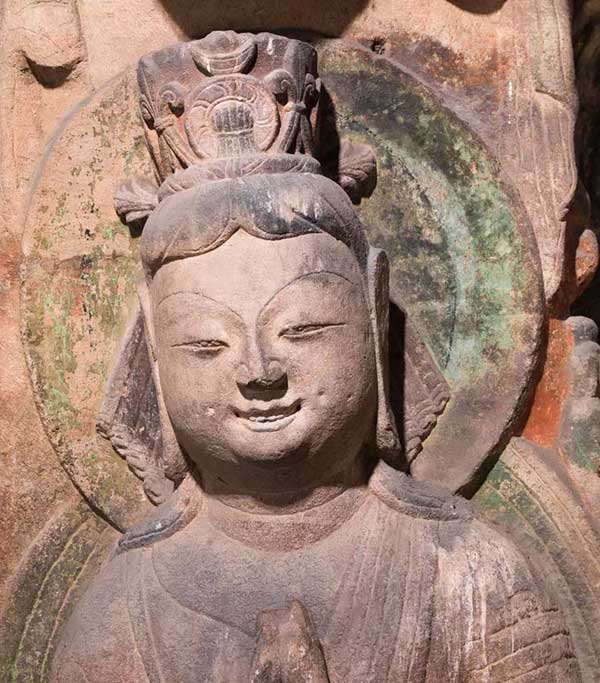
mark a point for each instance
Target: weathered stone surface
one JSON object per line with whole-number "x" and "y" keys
{"x": 509, "y": 72}
{"x": 508, "y": 81}
{"x": 284, "y": 456}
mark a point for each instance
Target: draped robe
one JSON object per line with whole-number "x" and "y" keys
{"x": 410, "y": 588}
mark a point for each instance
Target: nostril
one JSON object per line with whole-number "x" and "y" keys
{"x": 265, "y": 388}
{"x": 266, "y": 374}
{"x": 268, "y": 383}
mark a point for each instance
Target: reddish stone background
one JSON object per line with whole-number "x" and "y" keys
{"x": 543, "y": 424}
{"x": 474, "y": 53}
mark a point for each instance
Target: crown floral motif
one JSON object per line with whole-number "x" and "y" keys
{"x": 236, "y": 102}
{"x": 228, "y": 95}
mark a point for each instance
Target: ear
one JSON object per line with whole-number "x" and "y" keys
{"x": 386, "y": 437}
{"x": 174, "y": 462}
{"x": 133, "y": 415}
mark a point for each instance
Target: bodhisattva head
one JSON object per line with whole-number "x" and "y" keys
{"x": 267, "y": 311}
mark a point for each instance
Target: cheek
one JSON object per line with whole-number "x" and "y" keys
{"x": 195, "y": 390}
{"x": 335, "y": 372}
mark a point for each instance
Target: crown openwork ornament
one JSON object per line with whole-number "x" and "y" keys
{"x": 233, "y": 104}
{"x": 228, "y": 95}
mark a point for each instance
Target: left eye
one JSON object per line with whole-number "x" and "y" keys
{"x": 306, "y": 330}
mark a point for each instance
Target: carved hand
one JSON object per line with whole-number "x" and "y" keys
{"x": 288, "y": 649}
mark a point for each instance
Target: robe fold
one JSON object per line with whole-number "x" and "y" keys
{"x": 410, "y": 589}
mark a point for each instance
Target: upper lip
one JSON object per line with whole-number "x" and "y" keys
{"x": 274, "y": 411}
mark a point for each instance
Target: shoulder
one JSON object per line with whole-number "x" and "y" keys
{"x": 520, "y": 627}
{"x": 97, "y": 643}
{"x": 490, "y": 561}
{"x": 499, "y": 615}
{"x": 468, "y": 549}
{"x": 417, "y": 499}
{"x": 513, "y": 614}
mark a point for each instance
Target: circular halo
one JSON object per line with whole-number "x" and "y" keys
{"x": 462, "y": 257}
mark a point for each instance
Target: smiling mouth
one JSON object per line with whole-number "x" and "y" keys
{"x": 269, "y": 419}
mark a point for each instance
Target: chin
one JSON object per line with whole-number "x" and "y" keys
{"x": 273, "y": 453}
{"x": 269, "y": 445}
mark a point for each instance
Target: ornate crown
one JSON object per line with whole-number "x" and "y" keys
{"x": 228, "y": 95}
{"x": 231, "y": 104}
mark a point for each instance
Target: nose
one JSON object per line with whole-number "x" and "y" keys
{"x": 260, "y": 376}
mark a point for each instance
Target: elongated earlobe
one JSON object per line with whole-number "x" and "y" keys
{"x": 386, "y": 437}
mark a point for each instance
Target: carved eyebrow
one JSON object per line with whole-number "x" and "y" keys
{"x": 301, "y": 277}
{"x": 200, "y": 294}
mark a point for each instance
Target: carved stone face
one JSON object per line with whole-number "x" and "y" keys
{"x": 266, "y": 356}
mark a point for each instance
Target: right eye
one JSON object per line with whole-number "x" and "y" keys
{"x": 203, "y": 346}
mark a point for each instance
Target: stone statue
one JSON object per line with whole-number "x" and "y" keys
{"x": 252, "y": 398}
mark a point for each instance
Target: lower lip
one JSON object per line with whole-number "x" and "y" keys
{"x": 271, "y": 426}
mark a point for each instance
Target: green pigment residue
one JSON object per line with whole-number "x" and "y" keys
{"x": 57, "y": 338}
{"x": 109, "y": 281}
{"x": 464, "y": 286}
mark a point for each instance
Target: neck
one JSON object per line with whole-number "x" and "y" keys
{"x": 286, "y": 523}
{"x": 283, "y": 500}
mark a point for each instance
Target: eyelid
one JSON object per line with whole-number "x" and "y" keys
{"x": 202, "y": 345}
{"x": 307, "y": 329}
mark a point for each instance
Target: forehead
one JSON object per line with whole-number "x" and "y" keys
{"x": 245, "y": 272}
